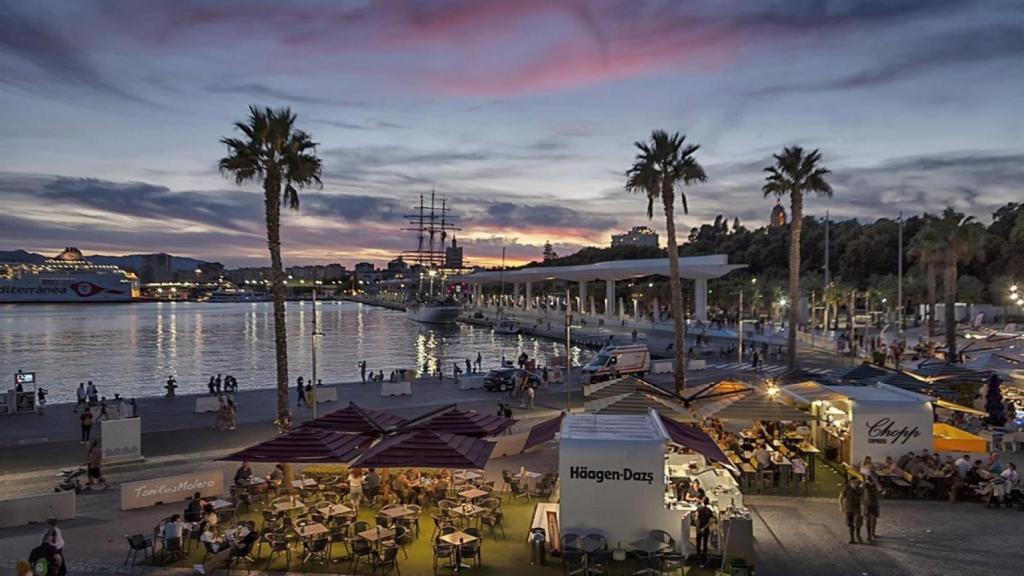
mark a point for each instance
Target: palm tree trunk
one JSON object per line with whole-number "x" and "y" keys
{"x": 272, "y": 205}
{"x": 678, "y": 314}
{"x": 929, "y": 271}
{"x": 949, "y": 288}
{"x": 795, "y": 227}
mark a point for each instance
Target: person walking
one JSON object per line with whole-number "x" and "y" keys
{"x": 300, "y": 391}
{"x": 86, "y": 419}
{"x": 82, "y": 396}
{"x": 850, "y": 504}
{"x": 869, "y": 509}
{"x": 230, "y": 414}
{"x": 55, "y": 537}
{"x": 469, "y": 367}
{"x": 479, "y": 362}
{"x": 754, "y": 357}
{"x": 94, "y": 395}
{"x": 530, "y": 393}
{"x": 210, "y": 384}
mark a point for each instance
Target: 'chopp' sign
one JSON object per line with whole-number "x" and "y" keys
{"x": 599, "y": 476}
{"x": 884, "y": 431}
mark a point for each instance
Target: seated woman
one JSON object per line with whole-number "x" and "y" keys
{"x": 275, "y": 479}
{"x": 210, "y": 539}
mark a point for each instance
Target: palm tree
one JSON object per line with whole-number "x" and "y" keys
{"x": 283, "y": 159}
{"x": 962, "y": 240}
{"x": 659, "y": 165}
{"x": 927, "y": 247}
{"x": 795, "y": 174}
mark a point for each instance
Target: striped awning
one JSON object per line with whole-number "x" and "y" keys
{"x": 304, "y": 446}
{"x": 427, "y": 449}
{"x": 760, "y": 407}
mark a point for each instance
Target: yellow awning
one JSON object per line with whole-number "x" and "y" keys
{"x": 946, "y": 438}
{"x": 959, "y": 408}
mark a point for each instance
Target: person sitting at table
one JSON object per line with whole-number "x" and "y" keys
{"x": 210, "y": 539}
{"x": 172, "y": 531}
{"x": 920, "y": 470}
{"x": 194, "y": 509}
{"x": 276, "y": 478}
{"x": 242, "y": 544}
{"x": 371, "y": 484}
{"x": 210, "y": 515}
{"x": 762, "y": 456}
{"x": 906, "y": 459}
{"x": 695, "y": 493}
{"x": 243, "y": 476}
{"x": 402, "y": 488}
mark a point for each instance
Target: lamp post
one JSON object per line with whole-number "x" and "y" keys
{"x": 568, "y": 354}
{"x": 313, "y": 342}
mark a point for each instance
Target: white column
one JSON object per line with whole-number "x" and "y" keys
{"x": 636, "y": 310}
{"x": 609, "y": 299}
{"x": 655, "y": 311}
{"x": 529, "y": 296}
{"x": 621, "y": 310}
{"x": 700, "y": 299}
{"x": 583, "y": 297}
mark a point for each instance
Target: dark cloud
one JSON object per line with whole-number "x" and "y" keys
{"x": 941, "y": 51}
{"x": 514, "y": 214}
{"x": 364, "y": 125}
{"x": 38, "y": 53}
{"x": 260, "y": 90}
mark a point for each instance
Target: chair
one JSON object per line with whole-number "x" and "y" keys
{"x": 646, "y": 562}
{"x": 766, "y": 478}
{"x": 403, "y": 537}
{"x": 506, "y": 482}
{"x": 278, "y": 545}
{"x": 137, "y": 543}
{"x": 573, "y": 561}
{"x": 472, "y": 549}
{"x": 270, "y": 519}
{"x": 669, "y": 562}
{"x": 443, "y": 551}
{"x": 360, "y": 526}
{"x": 361, "y": 548}
{"x": 662, "y": 536}
{"x": 384, "y": 521}
{"x": 494, "y": 520}
{"x": 317, "y": 548}
{"x": 599, "y": 562}
{"x": 571, "y": 542}
{"x": 386, "y": 558}
{"x": 517, "y": 490}
{"x": 240, "y": 555}
{"x": 173, "y": 550}
{"x": 600, "y": 542}
{"x": 445, "y": 508}
{"x": 414, "y": 518}
{"x": 543, "y": 489}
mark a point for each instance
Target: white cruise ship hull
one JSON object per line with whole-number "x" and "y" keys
{"x": 77, "y": 287}
{"x": 430, "y": 314}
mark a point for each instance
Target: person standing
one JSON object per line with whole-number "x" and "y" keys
{"x": 86, "y": 419}
{"x": 530, "y": 393}
{"x": 171, "y": 385}
{"x": 850, "y": 503}
{"x": 209, "y": 385}
{"x": 362, "y": 370}
{"x": 705, "y": 518}
{"x": 869, "y": 509}
{"x": 479, "y": 362}
{"x": 94, "y": 395}
{"x": 300, "y": 390}
{"x": 82, "y": 396}
{"x": 93, "y": 461}
{"x": 754, "y": 357}
{"x": 469, "y": 367}
{"x": 217, "y": 384}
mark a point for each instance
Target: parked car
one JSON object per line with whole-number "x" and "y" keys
{"x": 502, "y": 379}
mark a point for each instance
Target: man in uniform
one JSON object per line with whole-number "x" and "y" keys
{"x": 869, "y": 509}
{"x": 850, "y": 503}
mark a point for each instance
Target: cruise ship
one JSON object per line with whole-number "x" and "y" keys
{"x": 67, "y": 278}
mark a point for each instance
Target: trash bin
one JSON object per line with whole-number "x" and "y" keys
{"x": 538, "y": 546}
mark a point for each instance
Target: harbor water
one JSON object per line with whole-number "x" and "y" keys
{"x": 131, "y": 349}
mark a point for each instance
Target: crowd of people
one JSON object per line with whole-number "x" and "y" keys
{"x": 47, "y": 558}
{"x": 217, "y": 385}
{"x": 926, "y": 474}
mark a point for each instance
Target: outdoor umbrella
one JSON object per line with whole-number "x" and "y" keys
{"x": 305, "y": 445}
{"x": 460, "y": 422}
{"x": 543, "y": 432}
{"x": 695, "y": 439}
{"x": 617, "y": 387}
{"x": 638, "y": 403}
{"x": 860, "y": 372}
{"x": 358, "y": 420}
{"x": 427, "y": 449}
{"x": 760, "y": 407}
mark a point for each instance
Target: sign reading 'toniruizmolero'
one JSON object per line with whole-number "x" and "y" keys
{"x": 170, "y": 489}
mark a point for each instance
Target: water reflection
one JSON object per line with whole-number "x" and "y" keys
{"x": 132, "y": 348}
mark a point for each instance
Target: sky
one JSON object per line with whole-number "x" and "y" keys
{"x": 522, "y": 113}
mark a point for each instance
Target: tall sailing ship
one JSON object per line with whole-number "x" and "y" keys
{"x": 67, "y": 278}
{"x": 429, "y": 302}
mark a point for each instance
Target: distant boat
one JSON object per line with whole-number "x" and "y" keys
{"x": 67, "y": 278}
{"x": 237, "y": 295}
{"x": 507, "y": 325}
{"x": 434, "y": 311}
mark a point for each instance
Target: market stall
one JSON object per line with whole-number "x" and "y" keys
{"x": 624, "y": 475}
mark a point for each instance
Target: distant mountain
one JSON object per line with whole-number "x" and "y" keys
{"x": 21, "y": 256}
{"x": 131, "y": 261}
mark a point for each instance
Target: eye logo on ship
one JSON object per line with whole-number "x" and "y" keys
{"x": 87, "y": 289}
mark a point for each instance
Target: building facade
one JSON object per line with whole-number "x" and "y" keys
{"x": 637, "y": 236}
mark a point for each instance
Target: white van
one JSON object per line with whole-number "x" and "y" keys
{"x": 614, "y": 361}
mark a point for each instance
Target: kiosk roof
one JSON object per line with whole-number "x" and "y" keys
{"x": 638, "y": 427}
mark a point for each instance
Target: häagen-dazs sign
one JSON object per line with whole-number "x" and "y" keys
{"x": 170, "y": 489}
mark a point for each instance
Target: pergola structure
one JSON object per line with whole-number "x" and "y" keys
{"x": 697, "y": 268}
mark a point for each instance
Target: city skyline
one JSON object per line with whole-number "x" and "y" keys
{"x": 522, "y": 114}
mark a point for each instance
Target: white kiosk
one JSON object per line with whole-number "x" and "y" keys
{"x": 612, "y": 477}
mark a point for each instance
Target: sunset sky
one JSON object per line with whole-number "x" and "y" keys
{"x": 521, "y": 112}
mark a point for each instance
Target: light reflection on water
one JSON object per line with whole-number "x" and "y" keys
{"x": 132, "y": 348}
